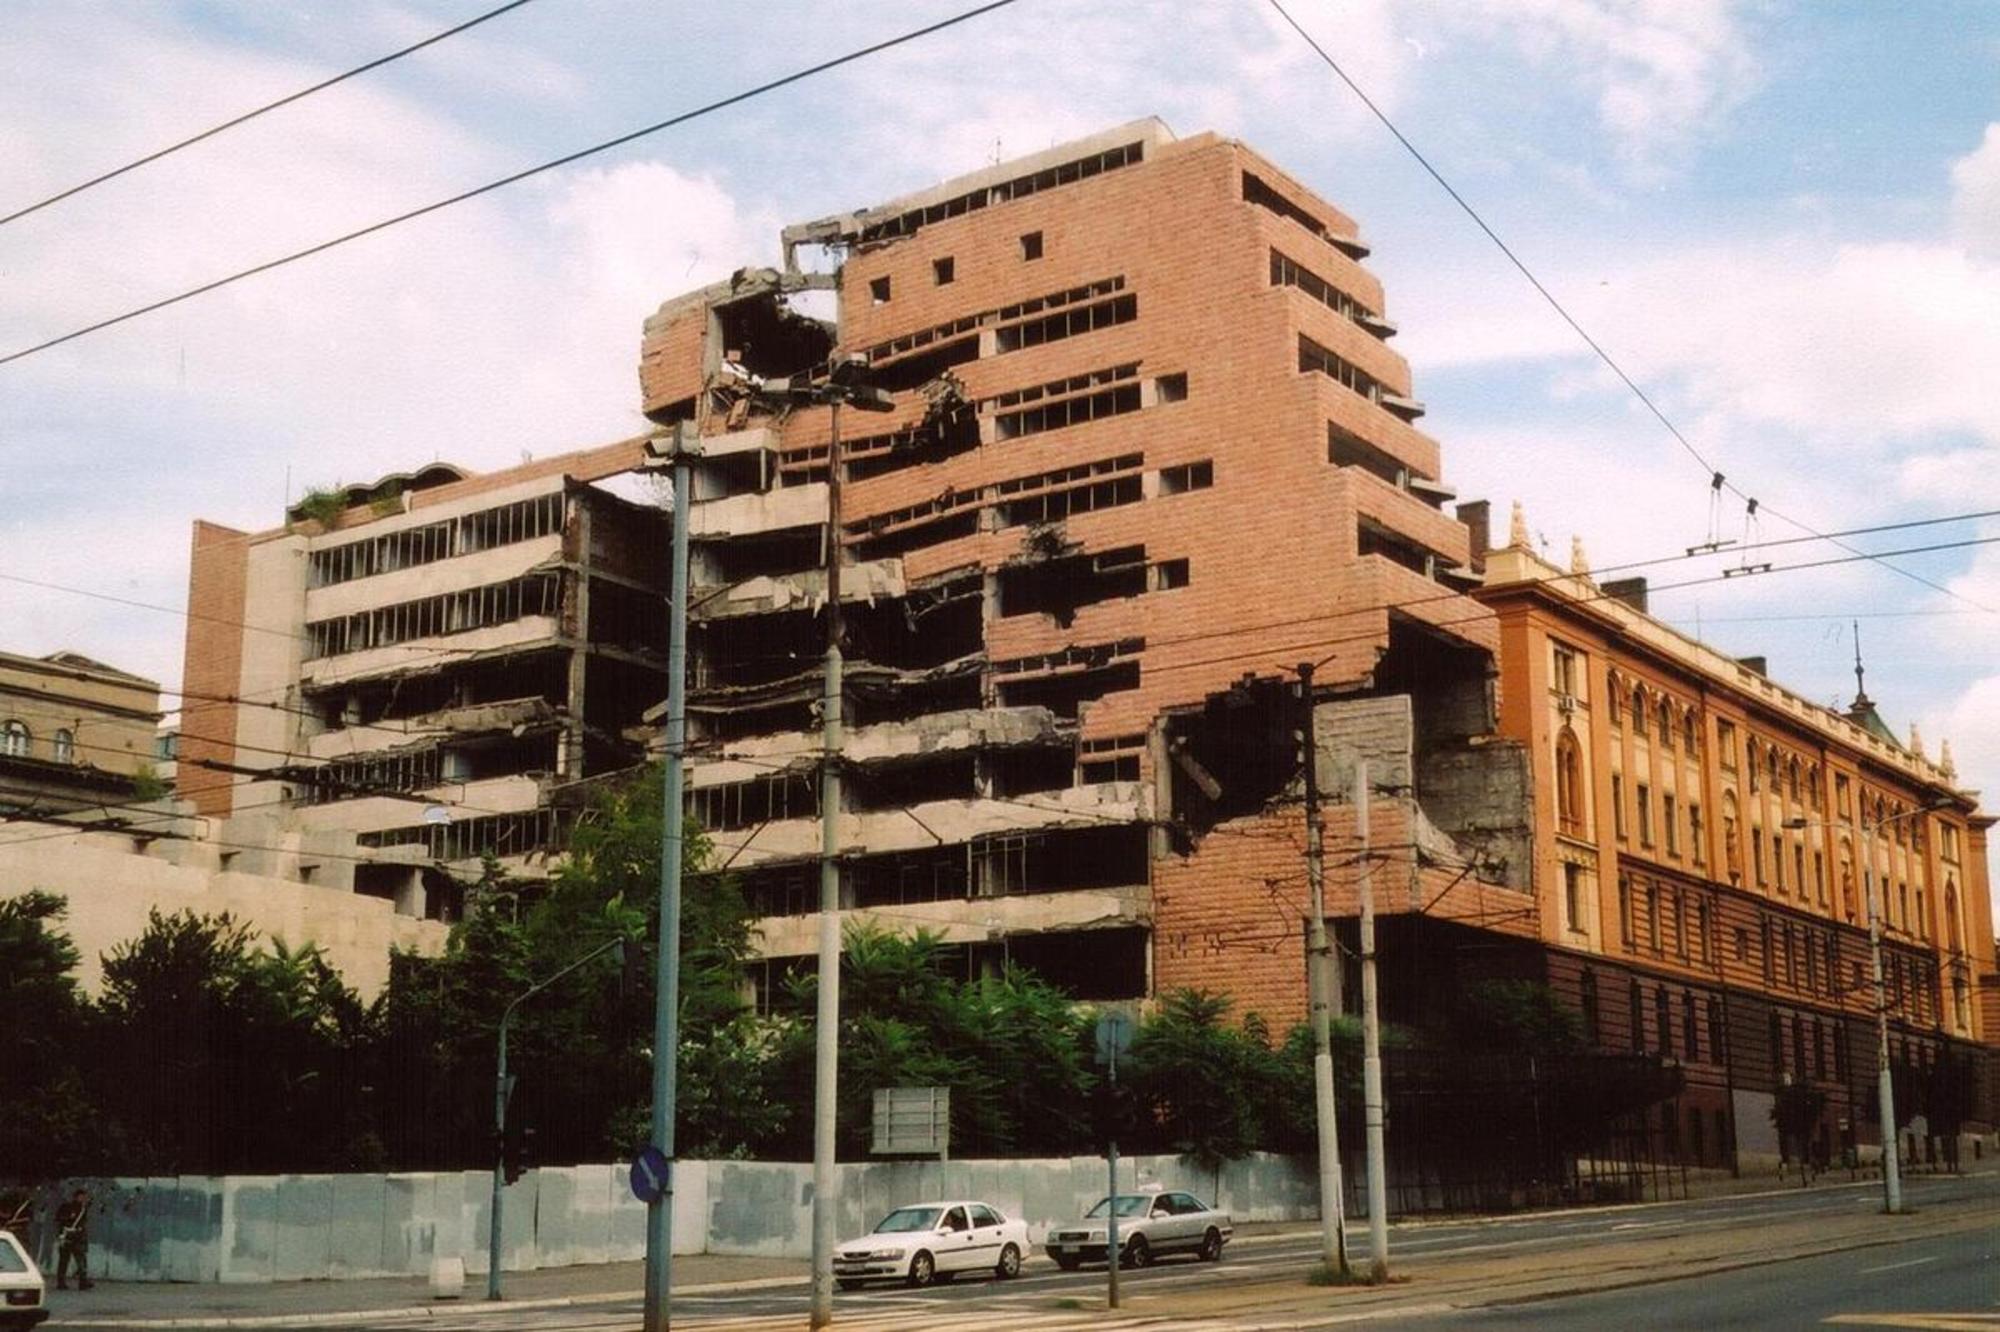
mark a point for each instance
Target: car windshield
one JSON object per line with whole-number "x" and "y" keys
{"x": 1128, "y": 1205}
{"x": 906, "y": 1219}
{"x": 11, "y": 1258}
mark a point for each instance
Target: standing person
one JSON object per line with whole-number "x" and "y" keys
{"x": 73, "y": 1240}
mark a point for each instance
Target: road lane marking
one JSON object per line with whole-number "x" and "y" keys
{"x": 1890, "y": 1267}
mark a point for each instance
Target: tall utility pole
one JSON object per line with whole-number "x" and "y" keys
{"x": 1332, "y": 1211}
{"x": 841, "y": 386}
{"x": 680, "y": 449}
{"x": 1885, "y": 1089}
{"x": 826, "y": 1035}
{"x": 1371, "y": 1043}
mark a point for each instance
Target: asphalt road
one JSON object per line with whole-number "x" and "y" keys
{"x": 1942, "y": 1282}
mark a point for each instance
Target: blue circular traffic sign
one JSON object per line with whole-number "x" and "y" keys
{"x": 652, "y": 1174}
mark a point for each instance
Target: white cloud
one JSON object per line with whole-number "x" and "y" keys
{"x": 1975, "y": 180}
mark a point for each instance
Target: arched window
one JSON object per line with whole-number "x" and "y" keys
{"x": 1664, "y": 722}
{"x": 1639, "y": 709}
{"x": 1750, "y": 748}
{"x": 1690, "y": 731}
{"x": 1614, "y": 701}
{"x": 65, "y": 747}
{"x": 1569, "y": 783}
{"x": 14, "y": 740}
{"x": 1792, "y": 778}
{"x": 1732, "y": 851}
{"x": 1951, "y": 935}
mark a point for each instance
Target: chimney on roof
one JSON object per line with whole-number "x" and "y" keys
{"x": 1477, "y": 515}
{"x": 1631, "y": 591}
{"x": 1760, "y": 665}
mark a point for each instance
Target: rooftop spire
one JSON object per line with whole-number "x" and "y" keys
{"x": 1861, "y": 699}
{"x": 1517, "y": 529}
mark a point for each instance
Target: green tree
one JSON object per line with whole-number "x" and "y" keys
{"x": 219, "y": 1056}
{"x": 48, "y": 1127}
{"x": 1203, "y": 1084}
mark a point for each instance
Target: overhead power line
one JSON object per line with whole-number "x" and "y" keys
{"x": 566, "y": 159}
{"x": 230, "y": 124}
{"x": 1717, "y": 478}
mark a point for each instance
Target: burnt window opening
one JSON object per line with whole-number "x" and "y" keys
{"x": 780, "y": 890}
{"x": 1236, "y": 756}
{"x": 942, "y": 270}
{"x": 766, "y": 799}
{"x": 949, "y": 527}
{"x": 1059, "y": 860}
{"x": 767, "y": 337}
{"x": 912, "y": 782}
{"x": 878, "y": 290}
{"x": 1031, "y": 245}
{"x": 366, "y": 774}
{"x": 869, "y": 702}
{"x": 921, "y": 630}
{"x": 913, "y": 371}
{"x": 1186, "y": 477}
{"x": 1090, "y": 966}
{"x": 623, "y": 616}
{"x": 1169, "y": 574}
{"x": 754, "y": 649}
{"x": 778, "y": 985}
{"x": 964, "y": 324}
{"x": 1019, "y": 772}
{"x": 1122, "y": 769}
{"x": 1171, "y": 388}
{"x": 758, "y": 555}
{"x": 949, "y": 427}
{"x": 908, "y": 878}
{"x": 1066, "y": 323}
{"x": 1285, "y": 272}
{"x": 1065, "y": 694}
{"x": 1059, "y": 587}
{"x": 385, "y": 881}
{"x": 738, "y": 722}
{"x": 542, "y": 676}
{"x": 500, "y": 835}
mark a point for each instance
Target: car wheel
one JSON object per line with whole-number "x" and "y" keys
{"x": 1068, "y": 1262}
{"x": 923, "y": 1269}
{"x": 1010, "y": 1264}
{"x": 847, "y": 1284}
{"x": 1211, "y": 1246}
{"x": 1138, "y": 1253}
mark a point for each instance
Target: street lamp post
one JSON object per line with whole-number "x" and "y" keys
{"x": 1885, "y": 1091}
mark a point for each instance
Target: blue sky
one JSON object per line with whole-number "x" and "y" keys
{"x": 1782, "y": 218}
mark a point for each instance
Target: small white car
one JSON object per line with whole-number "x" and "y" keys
{"x": 22, "y": 1290}
{"x": 929, "y": 1242}
{"x": 1148, "y": 1224}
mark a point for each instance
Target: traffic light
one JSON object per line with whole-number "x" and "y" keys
{"x": 1115, "y": 1110}
{"x": 517, "y": 1152}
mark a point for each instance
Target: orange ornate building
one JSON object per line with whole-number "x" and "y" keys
{"x": 1705, "y": 840}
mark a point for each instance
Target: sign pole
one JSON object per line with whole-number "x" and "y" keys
{"x": 1111, "y": 1222}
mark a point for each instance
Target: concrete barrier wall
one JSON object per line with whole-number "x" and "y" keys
{"x": 330, "y": 1227}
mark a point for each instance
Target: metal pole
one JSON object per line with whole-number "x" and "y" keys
{"x": 1371, "y": 1046}
{"x": 826, "y": 1036}
{"x": 658, "y": 1313}
{"x": 1892, "y": 1172}
{"x": 1111, "y": 1254}
{"x": 1332, "y": 1208}
{"x": 499, "y": 1160}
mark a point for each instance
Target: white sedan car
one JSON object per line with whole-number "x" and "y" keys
{"x": 1149, "y": 1224}
{"x": 21, "y": 1287}
{"x": 933, "y": 1242}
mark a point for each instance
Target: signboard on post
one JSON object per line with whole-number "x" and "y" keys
{"x": 651, "y": 1174}
{"x": 1114, "y": 1038}
{"x": 912, "y": 1121}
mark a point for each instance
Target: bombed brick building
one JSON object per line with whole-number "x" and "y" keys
{"x": 1149, "y": 449}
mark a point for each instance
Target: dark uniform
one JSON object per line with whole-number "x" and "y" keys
{"x": 73, "y": 1241}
